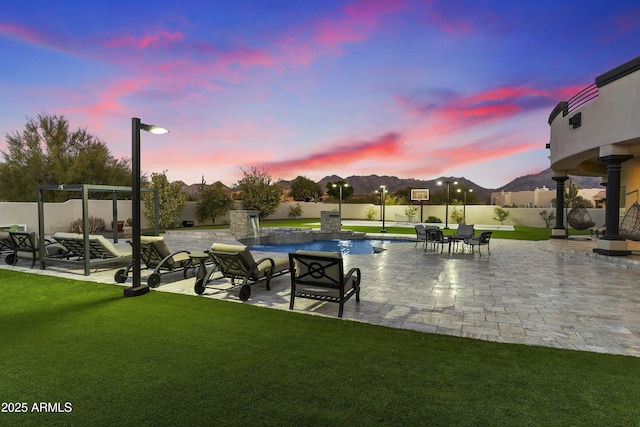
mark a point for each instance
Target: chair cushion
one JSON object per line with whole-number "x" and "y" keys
{"x": 241, "y": 249}
{"x": 162, "y": 247}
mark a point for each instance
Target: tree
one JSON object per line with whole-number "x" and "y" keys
{"x": 213, "y": 200}
{"x": 500, "y": 214}
{"x": 547, "y": 217}
{"x": 334, "y": 192}
{"x": 48, "y": 152}
{"x": 303, "y": 188}
{"x": 171, "y": 200}
{"x": 258, "y": 192}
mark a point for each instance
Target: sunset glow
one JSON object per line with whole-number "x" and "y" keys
{"x": 411, "y": 88}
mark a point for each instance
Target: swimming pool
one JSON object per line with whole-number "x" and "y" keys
{"x": 346, "y": 247}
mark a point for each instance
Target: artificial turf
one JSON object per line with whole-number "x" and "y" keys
{"x": 168, "y": 359}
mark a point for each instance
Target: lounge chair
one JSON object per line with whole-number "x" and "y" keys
{"x": 236, "y": 262}
{"x": 320, "y": 276}
{"x": 481, "y": 239}
{"x": 25, "y": 244}
{"x": 6, "y": 244}
{"x": 99, "y": 250}
{"x": 156, "y": 256}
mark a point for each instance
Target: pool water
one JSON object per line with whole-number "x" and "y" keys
{"x": 346, "y": 247}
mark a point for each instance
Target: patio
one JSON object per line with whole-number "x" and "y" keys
{"x": 555, "y": 293}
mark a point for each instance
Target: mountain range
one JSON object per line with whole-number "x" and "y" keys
{"x": 370, "y": 183}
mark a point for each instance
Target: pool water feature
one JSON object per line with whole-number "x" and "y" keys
{"x": 344, "y": 246}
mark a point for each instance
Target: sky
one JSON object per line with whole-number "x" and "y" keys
{"x": 408, "y": 88}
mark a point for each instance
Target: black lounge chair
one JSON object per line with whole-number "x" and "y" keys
{"x": 236, "y": 262}
{"x": 25, "y": 244}
{"x": 320, "y": 276}
{"x": 156, "y": 255}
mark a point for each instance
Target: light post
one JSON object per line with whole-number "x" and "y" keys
{"x": 446, "y": 210}
{"x": 341, "y": 186}
{"x": 136, "y": 126}
{"x": 383, "y": 195}
{"x": 464, "y": 203}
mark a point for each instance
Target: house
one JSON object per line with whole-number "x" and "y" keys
{"x": 597, "y": 133}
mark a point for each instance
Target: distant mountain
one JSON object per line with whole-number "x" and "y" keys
{"x": 369, "y": 184}
{"x": 544, "y": 178}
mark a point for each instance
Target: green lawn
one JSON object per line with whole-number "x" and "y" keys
{"x": 520, "y": 233}
{"x": 169, "y": 359}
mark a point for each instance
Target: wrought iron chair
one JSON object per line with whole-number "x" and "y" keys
{"x": 320, "y": 276}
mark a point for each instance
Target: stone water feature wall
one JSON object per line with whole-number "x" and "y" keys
{"x": 330, "y": 221}
{"x": 244, "y": 223}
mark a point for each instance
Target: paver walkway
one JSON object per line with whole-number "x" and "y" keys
{"x": 535, "y": 293}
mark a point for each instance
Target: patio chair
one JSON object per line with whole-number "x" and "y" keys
{"x": 481, "y": 239}
{"x": 6, "y": 245}
{"x": 27, "y": 245}
{"x": 464, "y": 232}
{"x": 236, "y": 262}
{"x": 320, "y": 276}
{"x": 101, "y": 250}
{"x": 436, "y": 237}
{"x": 421, "y": 234}
{"x": 579, "y": 219}
{"x": 156, "y": 256}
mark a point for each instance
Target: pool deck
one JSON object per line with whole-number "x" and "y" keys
{"x": 554, "y": 293}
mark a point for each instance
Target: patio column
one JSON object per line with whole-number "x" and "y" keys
{"x": 559, "y": 231}
{"x": 611, "y": 243}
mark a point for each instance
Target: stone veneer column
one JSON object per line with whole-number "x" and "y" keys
{"x": 611, "y": 243}
{"x": 559, "y": 231}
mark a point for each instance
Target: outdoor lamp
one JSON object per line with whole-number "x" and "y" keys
{"x": 464, "y": 203}
{"x": 340, "y": 199}
{"x": 136, "y": 126}
{"x": 383, "y": 196}
{"x": 446, "y": 209}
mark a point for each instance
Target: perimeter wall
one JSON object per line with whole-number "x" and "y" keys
{"x": 58, "y": 216}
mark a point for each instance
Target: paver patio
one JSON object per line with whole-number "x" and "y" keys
{"x": 553, "y": 293}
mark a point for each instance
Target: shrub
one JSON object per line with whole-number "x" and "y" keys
{"x": 457, "y": 216}
{"x": 500, "y": 215}
{"x": 96, "y": 225}
{"x": 372, "y": 213}
{"x": 432, "y": 218}
{"x": 295, "y": 211}
{"x": 410, "y": 210}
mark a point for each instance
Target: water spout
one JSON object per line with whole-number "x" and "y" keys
{"x": 255, "y": 224}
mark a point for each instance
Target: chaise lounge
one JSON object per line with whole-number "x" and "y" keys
{"x": 156, "y": 256}
{"x": 23, "y": 244}
{"x": 236, "y": 262}
{"x": 98, "y": 250}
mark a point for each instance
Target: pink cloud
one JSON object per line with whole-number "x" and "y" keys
{"x": 159, "y": 38}
{"x": 340, "y": 155}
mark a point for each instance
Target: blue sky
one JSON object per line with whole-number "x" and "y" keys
{"x": 410, "y": 88}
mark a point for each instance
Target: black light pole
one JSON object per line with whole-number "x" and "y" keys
{"x": 137, "y": 288}
{"x": 340, "y": 199}
{"x": 464, "y": 206}
{"x": 446, "y": 209}
{"x": 384, "y": 197}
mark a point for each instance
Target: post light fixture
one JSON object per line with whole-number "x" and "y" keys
{"x": 446, "y": 209}
{"x": 464, "y": 203}
{"x": 383, "y": 196}
{"x": 136, "y": 126}
{"x": 340, "y": 186}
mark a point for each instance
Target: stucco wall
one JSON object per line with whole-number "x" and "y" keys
{"x": 58, "y": 216}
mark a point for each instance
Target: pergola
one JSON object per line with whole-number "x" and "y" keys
{"x": 85, "y": 190}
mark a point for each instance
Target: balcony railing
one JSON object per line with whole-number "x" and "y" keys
{"x": 584, "y": 96}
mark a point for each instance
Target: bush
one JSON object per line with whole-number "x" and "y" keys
{"x": 372, "y": 213}
{"x": 435, "y": 219}
{"x": 96, "y": 225}
{"x": 295, "y": 211}
{"x": 457, "y": 216}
